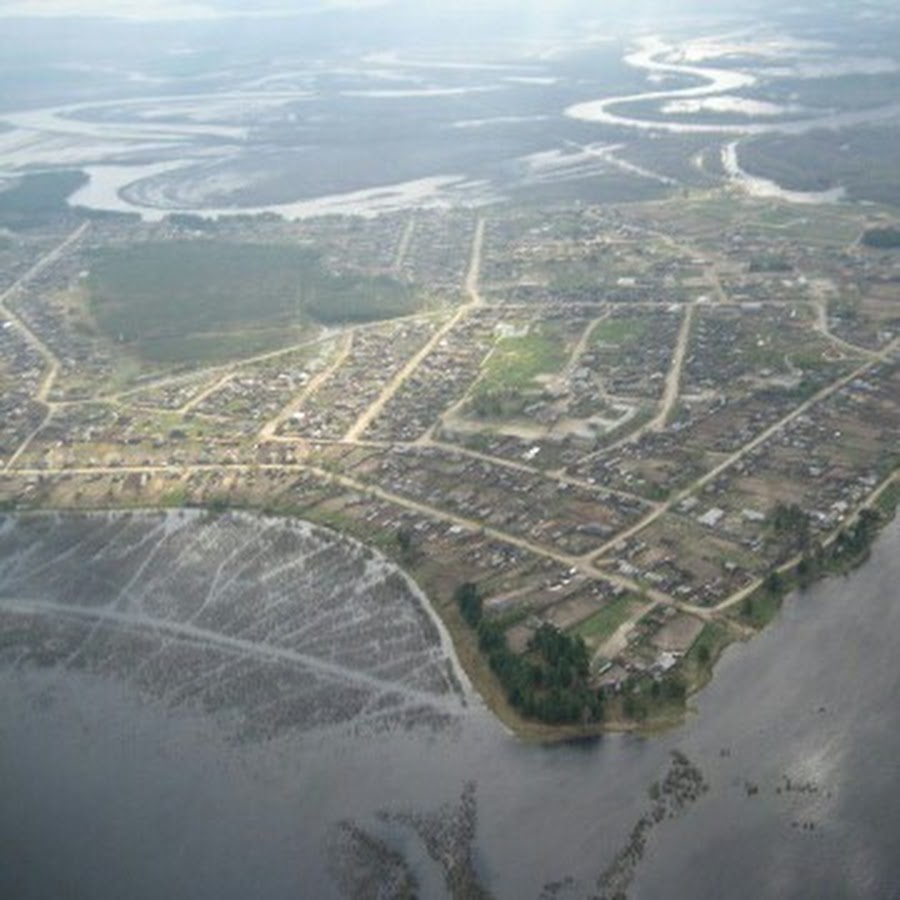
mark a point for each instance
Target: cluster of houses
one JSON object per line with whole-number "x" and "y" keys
{"x": 377, "y": 354}
{"x": 544, "y": 509}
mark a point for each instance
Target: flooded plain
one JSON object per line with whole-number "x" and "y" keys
{"x": 240, "y": 707}
{"x": 367, "y": 133}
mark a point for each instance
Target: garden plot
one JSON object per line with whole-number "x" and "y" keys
{"x": 259, "y": 391}
{"x": 20, "y": 376}
{"x": 630, "y": 353}
{"x": 687, "y": 560}
{"x": 441, "y": 380}
{"x": 827, "y": 460}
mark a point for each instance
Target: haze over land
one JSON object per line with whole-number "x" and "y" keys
{"x": 309, "y": 111}
{"x": 584, "y": 315}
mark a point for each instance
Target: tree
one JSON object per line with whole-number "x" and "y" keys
{"x": 791, "y": 522}
{"x": 405, "y": 540}
{"x": 468, "y": 599}
{"x": 806, "y": 570}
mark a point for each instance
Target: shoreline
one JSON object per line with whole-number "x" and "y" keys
{"x": 478, "y": 682}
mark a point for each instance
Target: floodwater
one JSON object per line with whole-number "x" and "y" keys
{"x": 764, "y": 187}
{"x": 110, "y": 793}
{"x": 208, "y": 154}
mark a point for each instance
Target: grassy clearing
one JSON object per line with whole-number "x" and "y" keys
{"x": 619, "y": 331}
{"x": 510, "y": 375}
{"x": 517, "y": 361}
{"x": 181, "y": 301}
{"x": 602, "y": 625}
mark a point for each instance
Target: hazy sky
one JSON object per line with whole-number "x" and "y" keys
{"x": 211, "y": 9}
{"x": 186, "y": 9}
{"x": 208, "y": 9}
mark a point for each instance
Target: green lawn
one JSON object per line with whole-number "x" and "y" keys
{"x": 602, "y": 625}
{"x": 509, "y": 377}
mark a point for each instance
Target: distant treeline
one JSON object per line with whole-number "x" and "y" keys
{"x": 882, "y": 238}
{"x": 184, "y": 299}
{"x": 33, "y": 199}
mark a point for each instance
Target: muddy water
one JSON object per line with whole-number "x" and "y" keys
{"x": 812, "y": 700}
{"x": 108, "y": 793}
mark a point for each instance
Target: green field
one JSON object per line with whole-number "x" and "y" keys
{"x": 602, "y": 625}
{"x": 619, "y": 331}
{"x": 205, "y": 300}
{"x": 517, "y": 361}
{"x": 510, "y": 374}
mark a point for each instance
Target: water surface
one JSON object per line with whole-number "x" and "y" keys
{"x": 111, "y": 791}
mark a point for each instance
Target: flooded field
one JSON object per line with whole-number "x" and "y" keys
{"x": 273, "y": 624}
{"x": 247, "y": 707}
{"x": 375, "y": 125}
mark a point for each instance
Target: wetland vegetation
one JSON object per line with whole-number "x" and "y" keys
{"x": 181, "y": 299}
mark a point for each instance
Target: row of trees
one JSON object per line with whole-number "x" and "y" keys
{"x": 550, "y": 681}
{"x": 790, "y": 529}
{"x": 500, "y": 401}
{"x": 850, "y": 545}
{"x": 882, "y": 238}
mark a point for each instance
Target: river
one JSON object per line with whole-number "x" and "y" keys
{"x": 109, "y": 792}
{"x": 207, "y": 154}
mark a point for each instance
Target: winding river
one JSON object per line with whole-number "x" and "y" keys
{"x": 154, "y": 155}
{"x": 718, "y": 84}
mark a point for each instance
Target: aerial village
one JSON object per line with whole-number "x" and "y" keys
{"x": 627, "y": 424}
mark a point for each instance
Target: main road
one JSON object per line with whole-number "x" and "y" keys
{"x": 474, "y": 299}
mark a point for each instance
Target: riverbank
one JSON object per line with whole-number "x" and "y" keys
{"x": 648, "y": 706}
{"x": 664, "y": 703}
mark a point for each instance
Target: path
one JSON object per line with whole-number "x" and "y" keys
{"x": 471, "y": 287}
{"x": 345, "y": 345}
{"x": 50, "y": 359}
{"x": 405, "y": 241}
{"x": 207, "y": 392}
{"x": 820, "y": 305}
{"x": 741, "y": 452}
{"x": 791, "y": 564}
{"x": 676, "y": 371}
{"x": 194, "y": 634}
